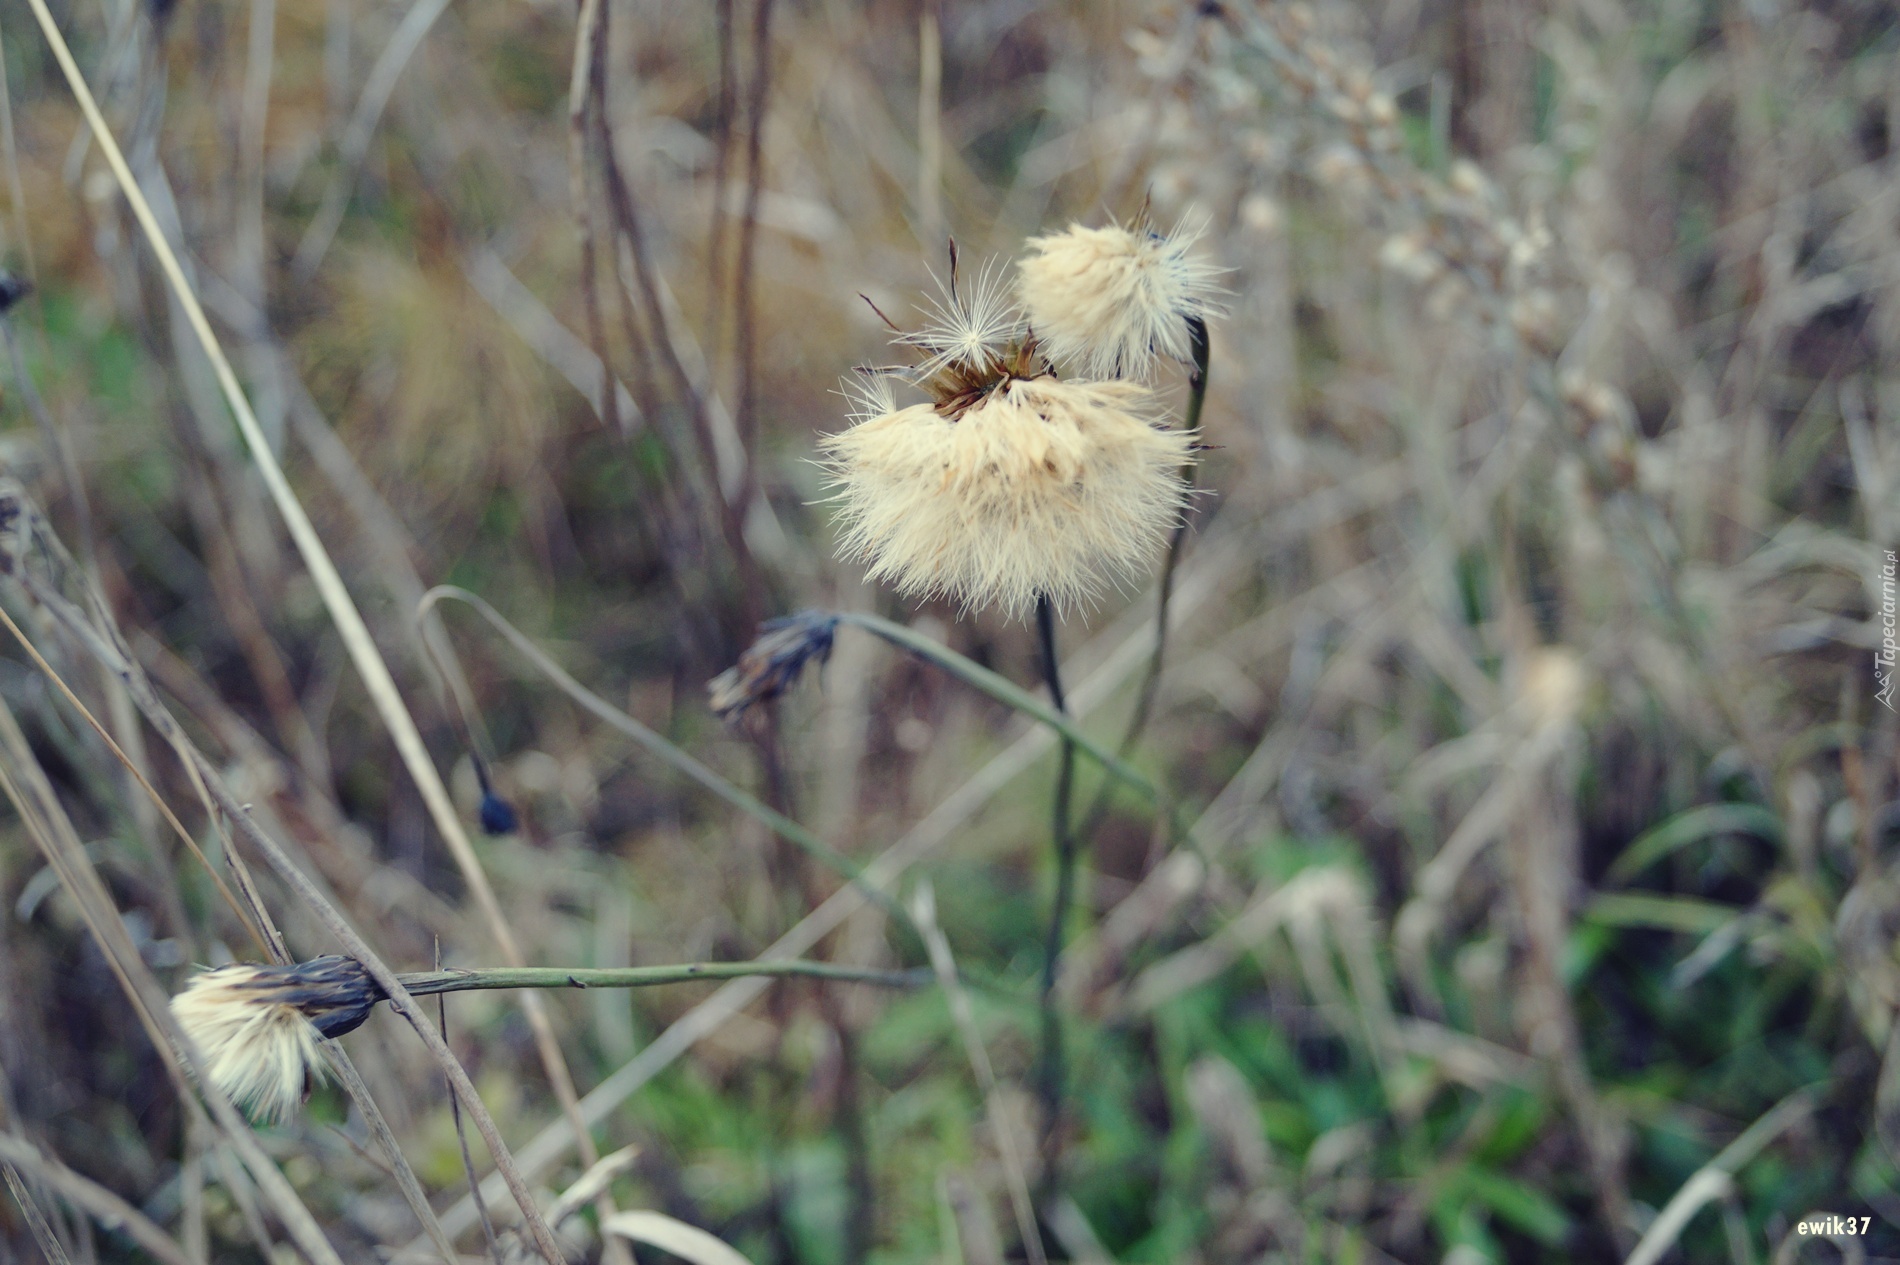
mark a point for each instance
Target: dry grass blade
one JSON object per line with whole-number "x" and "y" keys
{"x": 1713, "y": 1180}
{"x": 354, "y": 147}
{"x": 924, "y": 909}
{"x": 111, "y": 1212}
{"x": 336, "y": 598}
{"x": 239, "y": 815}
{"x": 50, "y": 1243}
{"x": 268, "y": 940}
{"x": 689, "y": 1243}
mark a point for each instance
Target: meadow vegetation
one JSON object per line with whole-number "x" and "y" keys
{"x": 1502, "y": 865}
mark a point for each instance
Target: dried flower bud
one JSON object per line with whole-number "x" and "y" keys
{"x": 1107, "y": 301}
{"x": 497, "y": 815}
{"x": 12, "y": 290}
{"x": 1040, "y": 488}
{"x": 257, "y": 1026}
{"x": 772, "y": 664}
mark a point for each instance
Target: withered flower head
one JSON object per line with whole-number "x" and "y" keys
{"x": 1023, "y": 488}
{"x": 772, "y": 664}
{"x": 1107, "y": 301}
{"x": 257, "y": 1026}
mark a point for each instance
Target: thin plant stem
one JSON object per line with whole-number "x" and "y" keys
{"x": 244, "y": 918}
{"x": 1051, "y": 1072}
{"x": 353, "y": 148}
{"x": 1151, "y": 680}
{"x": 461, "y": 1134}
{"x": 1197, "y": 399}
{"x": 94, "y": 1200}
{"x": 425, "y": 983}
{"x": 586, "y": 38}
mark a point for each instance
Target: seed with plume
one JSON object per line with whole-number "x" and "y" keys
{"x": 1106, "y": 301}
{"x": 970, "y": 325}
{"x": 1039, "y": 488}
{"x": 257, "y": 1027}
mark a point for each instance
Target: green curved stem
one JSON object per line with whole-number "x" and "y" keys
{"x": 669, "y": 754}
{"x": 1151, "y": 680}
{"x": 422, "y": 983}
{"x": 1052, "y": 1072}
{"x": 1005, "y": 692}
{"x": 1197, "y": 399}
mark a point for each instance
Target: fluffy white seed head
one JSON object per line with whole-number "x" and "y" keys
{"x": 260, "y": 1051}
{"x": 1106, "y": 301}
{"x": 1041, "y": 487}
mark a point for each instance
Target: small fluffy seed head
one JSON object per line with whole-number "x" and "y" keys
{"x": 1041, "y": 487}
{"x": 1106, "y": 301}
{"x": 257, "y": 1027}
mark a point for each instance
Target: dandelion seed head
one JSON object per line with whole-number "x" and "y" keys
{"x": 1107, "y": 301}
{"x": 1040, "y": 488}
{"x": 257, "y": 1027}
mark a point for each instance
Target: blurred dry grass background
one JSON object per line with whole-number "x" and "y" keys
{"x": 1523, "y": 685}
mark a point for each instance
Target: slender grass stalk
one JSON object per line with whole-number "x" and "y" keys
{"x": 268, "y": 940}
{"x": 924, "y": 906}
{"x": 1051, "y": 1071}
{"x": 244, "y": 917}
{"x": 426, "y": 983}
{"x": 87, "y": 1196}
{"x": 489, "y": 1240}
{"x": 238, "y": 814}
{"x": 377, "y": 680}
